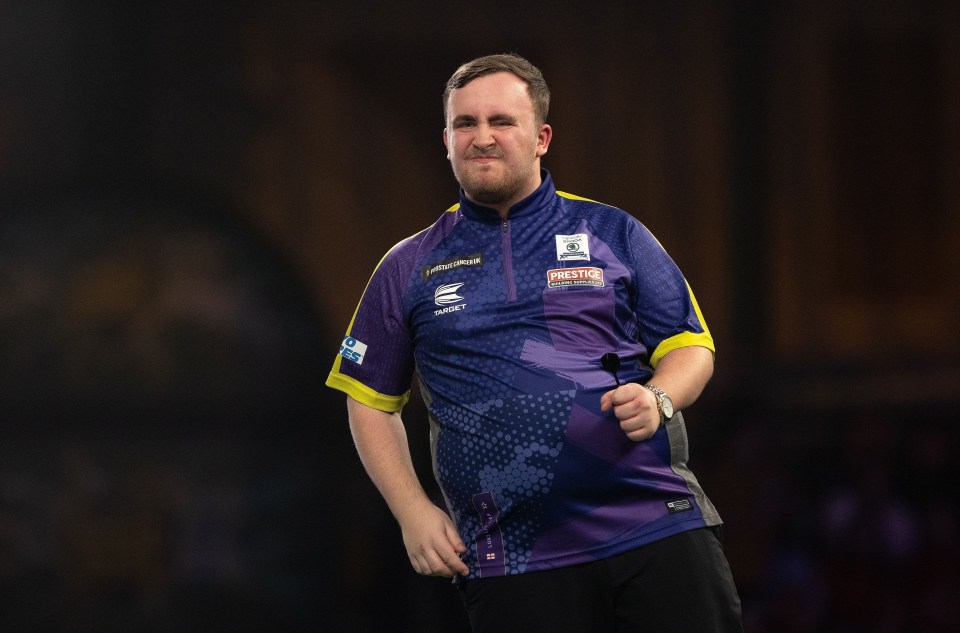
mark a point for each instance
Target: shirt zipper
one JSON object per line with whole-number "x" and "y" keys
{"x": 508, "y": 259}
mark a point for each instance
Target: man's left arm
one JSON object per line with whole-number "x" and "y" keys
{"x": 682, "y": 374}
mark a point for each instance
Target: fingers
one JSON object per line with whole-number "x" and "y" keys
{"x": 640, "y": 434}
{"x": 459, "y": 548}
{"x": 630, "y": 393}
{"x": 433, "y": 563}
{"x": 441, "y": 557}
{"x": 433, "y": 544}
{"x": 456, "y": 566}
{"x": 637, "y": 414}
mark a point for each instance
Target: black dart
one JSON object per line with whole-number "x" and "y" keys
{"x": 611, "y": 362}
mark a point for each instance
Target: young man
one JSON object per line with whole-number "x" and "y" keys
{"x": 556, "y": 343}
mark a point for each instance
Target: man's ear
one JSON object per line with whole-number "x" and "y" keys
{"x": 543, "y": 139}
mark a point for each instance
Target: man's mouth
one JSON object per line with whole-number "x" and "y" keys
{"x": 484, "y": 157}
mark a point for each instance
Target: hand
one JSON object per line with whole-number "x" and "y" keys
{"x": 636, "y": 408}
{"x": 433, "y": 543}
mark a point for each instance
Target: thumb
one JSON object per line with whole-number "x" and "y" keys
{"x": 454, "y": 537}
{"x": 606, "y": 400}
{"x": 457, "y": 565}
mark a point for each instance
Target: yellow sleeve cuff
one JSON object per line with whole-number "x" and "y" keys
{"x": 365, "y": 395}
{"x": 684, "y": 339}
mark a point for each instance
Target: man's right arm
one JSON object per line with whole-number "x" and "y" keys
{"x": 431, "y": 539}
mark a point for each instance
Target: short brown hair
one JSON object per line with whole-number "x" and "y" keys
{"x": 505, "y": 62}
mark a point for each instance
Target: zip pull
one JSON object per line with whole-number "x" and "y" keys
{"x": 504, "y": 226}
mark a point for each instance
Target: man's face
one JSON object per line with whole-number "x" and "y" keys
{"x": 493, "y": 141}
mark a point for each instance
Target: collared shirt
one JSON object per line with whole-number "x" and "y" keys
{"x": 505, "y": 323}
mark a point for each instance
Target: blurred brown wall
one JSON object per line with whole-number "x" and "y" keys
{"x": 799, "y": 160}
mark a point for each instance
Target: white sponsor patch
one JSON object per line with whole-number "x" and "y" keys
{"x": 573, "y": 247}
{"x": 583, "y": 276}
{"x": 447, "y": 298}
{"x": 352, "y": 349}
{"x": 446, "y": 294}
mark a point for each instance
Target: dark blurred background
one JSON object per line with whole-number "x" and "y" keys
{"x": 192, "y": 196}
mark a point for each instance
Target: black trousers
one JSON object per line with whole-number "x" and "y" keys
{"x": 681, "y": 584}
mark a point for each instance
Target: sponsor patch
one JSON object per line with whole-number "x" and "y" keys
{"x": 353, "y": 350}
{"x": 573, "y": 247}
{"x": 679, "y": 505}
{"x": 446, "y": 294}
{"x": 582, "y": 276}
{"x": 451, "y": 264}
{"x": 447, "y": 298}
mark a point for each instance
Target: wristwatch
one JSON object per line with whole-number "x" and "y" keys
{"x": 664, "y": 403}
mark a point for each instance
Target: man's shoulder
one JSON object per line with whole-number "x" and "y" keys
{"x": 593, "y": 210}
{"x": 412, "y": 249}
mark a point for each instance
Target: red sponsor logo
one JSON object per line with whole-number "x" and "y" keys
{"x": 582, "y": 276}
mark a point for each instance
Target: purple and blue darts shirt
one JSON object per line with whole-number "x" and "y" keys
{"x": 505, "y": 323}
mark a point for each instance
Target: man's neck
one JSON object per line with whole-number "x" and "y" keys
{"x": 503, "y": 209}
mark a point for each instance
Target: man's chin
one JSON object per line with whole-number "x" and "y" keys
{"x": 488, "y": 199}
{"x": 485, "y": 193}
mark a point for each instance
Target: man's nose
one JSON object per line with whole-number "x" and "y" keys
{"x": 484, "y": 136}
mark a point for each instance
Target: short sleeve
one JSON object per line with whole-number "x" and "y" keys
{"x": 667, "y": 311}
{"x": 375, "y": 362}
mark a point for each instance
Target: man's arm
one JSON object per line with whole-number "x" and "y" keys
{"x": 432, "y": 542}
{"x": 682, "y": 373}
